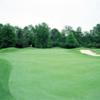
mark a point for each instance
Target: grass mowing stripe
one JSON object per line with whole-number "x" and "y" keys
{"x": 5, "y": 69}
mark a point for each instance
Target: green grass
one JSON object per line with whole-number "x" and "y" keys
{"x": 49, "y": 74}
{"x": 5, "y": 69}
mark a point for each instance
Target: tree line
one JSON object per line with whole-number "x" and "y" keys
{"x": 42, "y": 36}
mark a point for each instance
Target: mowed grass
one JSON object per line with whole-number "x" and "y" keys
{"x": 50, "y": 74}
{"x": 5, "y": 69}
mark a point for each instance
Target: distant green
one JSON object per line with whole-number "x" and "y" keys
{"x": 48, "y": 74}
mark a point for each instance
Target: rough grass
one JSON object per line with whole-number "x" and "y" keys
{"x": 52, "y": 74}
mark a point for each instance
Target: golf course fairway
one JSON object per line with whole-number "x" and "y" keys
{"x": 48, "y": 74}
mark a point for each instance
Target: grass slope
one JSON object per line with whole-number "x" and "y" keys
{"x": 5, "y": 69}
{"x": 53, "y": 74}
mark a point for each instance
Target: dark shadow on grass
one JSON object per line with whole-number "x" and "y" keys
{"x": 5, "y": 69}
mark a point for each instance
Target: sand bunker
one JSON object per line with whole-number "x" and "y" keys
{"x": 89, "y": 52}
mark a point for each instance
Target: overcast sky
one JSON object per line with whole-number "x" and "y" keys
{"x": 56, "y": 13}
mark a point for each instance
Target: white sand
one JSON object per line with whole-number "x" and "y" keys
{"x": 89, "y": 52}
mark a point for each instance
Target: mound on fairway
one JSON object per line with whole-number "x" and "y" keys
{"x": 52, "y": 74}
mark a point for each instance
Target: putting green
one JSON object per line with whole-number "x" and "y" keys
{"x": 51, "y": 74}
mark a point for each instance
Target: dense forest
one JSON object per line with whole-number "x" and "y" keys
{"x": 42, "y": 36}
